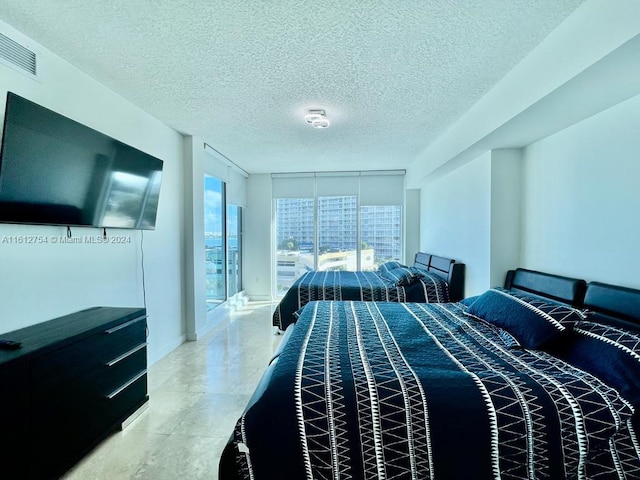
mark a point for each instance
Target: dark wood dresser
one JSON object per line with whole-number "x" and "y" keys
{"x": 74, "y": 380}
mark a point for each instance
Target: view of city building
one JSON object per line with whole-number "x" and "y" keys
{"x": 339, "y": 245}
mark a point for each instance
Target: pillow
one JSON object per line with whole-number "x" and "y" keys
{"x": 533, "y": 321}
{"x": 385, "y": 267}
{"x": 418, "y": 272}
{"x": 469, "y": 300}
{"x": 564, "y": 313}
{"x": 610, "y": 353}
{"x": 400, "y": 276}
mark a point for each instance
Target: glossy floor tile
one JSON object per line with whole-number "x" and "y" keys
{"x": 196, "y": 394}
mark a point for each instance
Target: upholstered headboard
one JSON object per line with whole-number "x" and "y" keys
{"x": 563, "y": 289}
{"x": 446, "y": 268}
{"x": 613, "y": 303}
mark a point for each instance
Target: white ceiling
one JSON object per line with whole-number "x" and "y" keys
{"x": 391, "y": 75}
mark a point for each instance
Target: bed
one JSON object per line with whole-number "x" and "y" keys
{"x": 444, "y": 391}
{"x": 431, "y": 279}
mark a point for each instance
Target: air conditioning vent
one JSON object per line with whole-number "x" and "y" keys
{"x": 17, "y": 55}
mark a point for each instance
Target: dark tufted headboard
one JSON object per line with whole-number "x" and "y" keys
{"x": 614, "y": 304}
{"x": 563, "y": 289}
{"x": 447, "y": 268}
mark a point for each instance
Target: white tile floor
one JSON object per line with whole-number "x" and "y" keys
{"x": 196, "y": 394}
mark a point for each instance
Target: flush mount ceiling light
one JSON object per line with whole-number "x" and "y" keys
{"x": 317, "y": 119}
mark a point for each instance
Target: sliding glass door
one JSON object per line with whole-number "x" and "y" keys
{"x": 223, "y": 243}
{"x": 214, "y": 221}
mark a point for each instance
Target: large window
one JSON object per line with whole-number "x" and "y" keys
{"x": 214, "y": 241}
{"x": 335, "y": 222}
{"x": 380, "y": 235}
{"x": 295, "y": 240}
{"x": 337, "y": 233}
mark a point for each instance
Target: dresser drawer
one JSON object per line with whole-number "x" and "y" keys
{"x": 125, "y": 400}
{"x": 86, "y": 357}
{"x": 119, "y": 370}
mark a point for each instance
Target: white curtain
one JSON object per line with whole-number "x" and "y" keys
{"x": 374, "y": 188}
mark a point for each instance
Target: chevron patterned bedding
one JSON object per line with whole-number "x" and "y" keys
{"x": 377, "y": 390}
{"x": 365, "y": 286}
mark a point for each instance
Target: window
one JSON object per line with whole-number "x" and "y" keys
{"x": 295, "y": 240}
{"x": 337, "y": 233}
{"x": 380, "y": 227}
{"x": 214, "y": 220}
{"x": 353, "y": 221}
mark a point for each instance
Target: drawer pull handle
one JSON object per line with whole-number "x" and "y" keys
{"x": 126, "y": 354}
{"x": 126, "y": 385}
{"x": 125, "y": 325}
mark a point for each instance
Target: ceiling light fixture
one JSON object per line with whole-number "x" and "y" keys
{"x": 317, "y": 119}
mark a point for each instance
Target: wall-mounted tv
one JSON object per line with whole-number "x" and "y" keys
{"x": 56, "y": 171}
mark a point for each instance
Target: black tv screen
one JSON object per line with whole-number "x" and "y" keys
{"x": 56, "y": 171}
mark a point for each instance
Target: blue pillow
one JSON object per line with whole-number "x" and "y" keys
{"x": 563, "y": 313}
{"x": 385, "y": 267}
{"x": 400, "y": 276}
{"x": 419, "y": 273}
{"x": 469, "y": 300}
{"x": 533, "y": 321}
{"x": 610, "y": 353}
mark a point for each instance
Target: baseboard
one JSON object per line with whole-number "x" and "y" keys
{"x": 261, "y": 298}
{"x": 165, "y": 350}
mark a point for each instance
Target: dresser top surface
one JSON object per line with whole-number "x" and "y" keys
{"x": 55, "y": 333}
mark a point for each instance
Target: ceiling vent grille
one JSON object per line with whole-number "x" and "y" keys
{"x": 17, "y": 55}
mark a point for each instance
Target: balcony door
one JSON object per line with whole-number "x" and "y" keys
{"x": 214, "y": 241}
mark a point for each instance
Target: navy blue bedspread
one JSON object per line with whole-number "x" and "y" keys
{"x": 365, "y": 286}
{"x": 422, "y": 391}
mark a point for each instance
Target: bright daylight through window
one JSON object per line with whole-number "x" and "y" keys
{"x": 338, "y": 247}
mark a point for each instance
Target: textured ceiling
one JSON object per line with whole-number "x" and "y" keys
{"x": 391, "y": 75}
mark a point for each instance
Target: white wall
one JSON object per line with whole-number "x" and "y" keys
{"x": 40, "y": 282}
{"x": 258, "y": 251}
{"x": 411, "y": 225}
{"x": 581, "y": 200}
{"x": 195, "y": 298}
{"x": 455, "y": 216}
{"x": 473, "y": 215}
{"x": 506, "y": 226}
{"x": 567, "y": 205}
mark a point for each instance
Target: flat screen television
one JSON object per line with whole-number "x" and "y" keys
{"x": 56, "y": 171}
